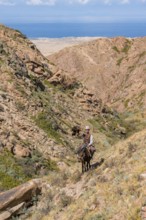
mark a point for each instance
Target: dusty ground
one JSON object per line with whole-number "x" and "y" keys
{"x": 48, "y": 46}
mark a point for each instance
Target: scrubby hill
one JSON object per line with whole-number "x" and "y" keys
{"x": 113, "y": 190}
{"x": 112, "y": 68}
{"x": 40, "y": 103}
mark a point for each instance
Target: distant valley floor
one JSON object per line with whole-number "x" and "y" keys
{"x": 48, "y": 46}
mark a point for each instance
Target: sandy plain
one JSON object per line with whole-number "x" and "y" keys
{"x": 48, "y": 46}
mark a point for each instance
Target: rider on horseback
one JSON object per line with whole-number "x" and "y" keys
{"x": 87, "y": 141}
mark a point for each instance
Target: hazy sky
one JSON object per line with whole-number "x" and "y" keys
{"x": 19, "y": 11}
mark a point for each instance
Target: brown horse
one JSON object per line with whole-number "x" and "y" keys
{"x": 84, "y": 157}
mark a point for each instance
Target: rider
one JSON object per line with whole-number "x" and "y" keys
{"x": 87, "y": 140}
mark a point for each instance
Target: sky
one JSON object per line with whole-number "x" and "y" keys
{"x": 76, "y": 11}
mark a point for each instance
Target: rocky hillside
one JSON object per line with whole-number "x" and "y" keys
{"x": 42, "y": 104}
{"x": 35, "y": 117}
{"x": 112, "y": 68}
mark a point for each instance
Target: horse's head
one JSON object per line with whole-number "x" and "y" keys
{"x": 80, "y": 156}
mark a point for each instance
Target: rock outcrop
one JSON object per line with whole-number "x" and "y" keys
{"x": 12, "y": 201}
{"x": 143, "y": 213}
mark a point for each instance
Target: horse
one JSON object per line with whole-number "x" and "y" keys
{"x": 84, "y": 157}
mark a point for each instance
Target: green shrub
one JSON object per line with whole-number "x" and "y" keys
{"x": 126, "y": 47}
{"x": 65, "y": 200}
{"x": 63, "y": 87}
{"x": 117, "y": 126}
{"x": 43, "y": 121}
{"x": 119, "y": 61}
{"x": 21, "y": 89}
{"x": 115, "y": 49}
{"x": 126, "y": 103}
{"x": 7, "y": 182}
{"x": 21, "y": 35}
{"x": 98, "y": 217}
{"x": 15, "y": 171}
{"x": 136, "y": 215}
{"x": 20, "y": 106}
{"x": 47, "y": 83}
{"x": 31, "y": 166}
{"x": 142, "y": 54}
{"x": 1, "y": 62}
{"x": 11, "y": 172}
{"x": 76, "y": 177}
{"x": 50, "y": 164}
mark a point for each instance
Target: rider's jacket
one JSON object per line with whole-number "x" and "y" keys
{"x": 88, "y": 139}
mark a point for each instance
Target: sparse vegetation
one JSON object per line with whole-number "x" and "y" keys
{"x": 15, "y": 171}
{"x": 63, "y": 85}
{"x": 21, "y": 89}
{"x": 12, "y": 174}
{"x": 126, "y": 103}
{"x": 1, "y": 62}
{"x": 126, "y": 47}
{"x": 21, "y": 35}
{"x": 131, "y": 68}
{"x": 65, "y": 200}
{"x": 50, "y": 127}
{"x": 142, "y": 54}
{"x": 119, "y": 61}
{"x": 117, "y": 127}
{"x": 135, "y": 215}
{"x": 20, "y": 106}
{"x": 98, "y": 217}
{"x": 76, "y": 176}
{"x": 116, "y": 49}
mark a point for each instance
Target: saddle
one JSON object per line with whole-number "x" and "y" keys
{"x": 92, "y": 150}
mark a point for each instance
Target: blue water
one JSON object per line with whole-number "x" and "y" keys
{"x": 81, "y": 30}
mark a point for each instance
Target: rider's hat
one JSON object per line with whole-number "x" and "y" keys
{"x": 87, "y": 128}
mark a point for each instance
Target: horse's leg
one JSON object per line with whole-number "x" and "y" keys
{"x": 86, "y": 165}
{"x": 89, "y": 165}
{"x": 82, "y": 167}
